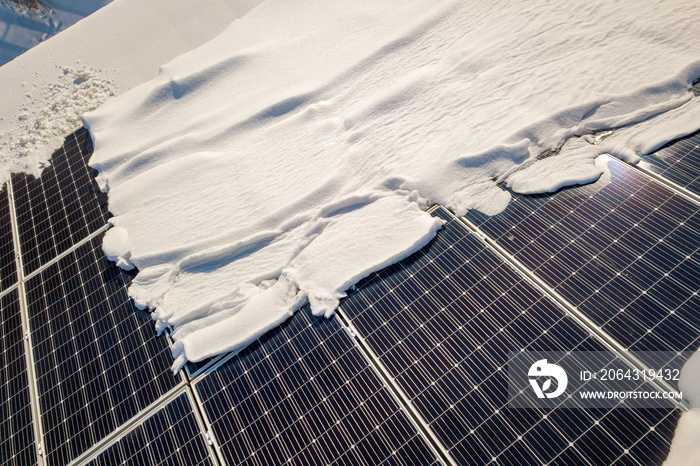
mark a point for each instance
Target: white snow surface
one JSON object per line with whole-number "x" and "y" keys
{"x": 121, "y": 45}
{"x": 291, "y": 156}
{"x": 685, "y": 449}
{"x": 49, "y": 113}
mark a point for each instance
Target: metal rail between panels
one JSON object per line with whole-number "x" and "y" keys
{"x": 399, "y": 395}
{"x": 626, "y": 356}
{"x": 9, "y": 290}
{"x": 209, "y": 437}
{"x": 665, "y": 182}
{"x": 67, "y": 252}
{"x": 128, "y": 426}
{"x": 144, "y": 416}
{"x": 28, "y": 351}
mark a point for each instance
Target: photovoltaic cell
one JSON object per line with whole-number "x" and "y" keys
{"x": 304, "y": 394}
{"x": 60, "y": 208}
{"x": 98, "y": 361}
{"x": 170, "y": 436}
{"x": 678, "y": 161}
{"x": 623, "y": 250}
{"x": 443, "y": 322}
{"x": 8, "y": 265}
{"x": 16, "y": 431}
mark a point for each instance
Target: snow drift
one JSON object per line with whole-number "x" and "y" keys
{"x": 292, "y": 155}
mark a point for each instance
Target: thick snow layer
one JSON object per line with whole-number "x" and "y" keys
{"x": 645, "y": 137}
{"x": 120, "y": 45}
{"x": 574, "y": 163}
{"x": 291, "y": 155}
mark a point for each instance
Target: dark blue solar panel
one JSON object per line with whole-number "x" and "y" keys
{"x": 16, "y": 431}
{"x": 170, "y": 436}
{"x": 98, "y": 361}
{"x": 60, "y": 208}
{"x": 624, "y": 250}
{"x": 304, "y": 394}
{"x": 678, "y": 161}
{"x": 8, "y": 264}
{"x": 443, "y": 323}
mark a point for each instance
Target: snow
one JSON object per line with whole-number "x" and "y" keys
{"x": 293, "y": 154}
{"x": 128, "y": 41}
{"x": 647, "y": 136}
{"x": 47, "y": 116}
{"x": 574, "y": 163}
{"x": 685, "y": 449}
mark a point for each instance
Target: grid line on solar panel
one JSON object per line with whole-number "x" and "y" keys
{"x": 443, "y": 322}
{"x": 172, "y": 435}
{"x": 16, "y": 426}
{"x": 623, "y": 250}
{"x": 62, "y": 206}
{"x": 98, "y": 233}
{"x": 304, "y": 394}
{"x": 8, "y": 264}
{"x": 97, "y": 359}
{"x": 678, "y": 161}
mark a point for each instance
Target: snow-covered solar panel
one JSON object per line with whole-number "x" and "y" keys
{"x": 16, "y": 431}
{"x": 443, "y": 322}
{"x": 8, "y": 264}
{"x": 623, "y": 250}
{"x": 98, "y": 361}
{"x": 60, "y": 208}
{"x": 678, "y": 162}
{"x": 170, "y": 436}
{"x": 304, "y": 394}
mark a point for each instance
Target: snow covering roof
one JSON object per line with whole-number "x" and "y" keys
{"x": 411, "y": 368}
{"x": 48, "y": 88}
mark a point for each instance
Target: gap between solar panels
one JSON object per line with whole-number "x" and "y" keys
{"x": 93, "y": 455}
{"x": 28, "y": 350}
{"x": 398, "y": 393}
{"x": 9, "y": 290}
{"x": 633, "y": 362}
{"x": 668, "y": 183}
{"x": 449, "y": 361}
{"x": 211, "y": 366}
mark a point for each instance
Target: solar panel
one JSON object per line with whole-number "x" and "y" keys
{"x": 623, "y": 250}
{"x": 443, "y": 322}
{"x": 171, "y": 436}
{"x": 304, "y": 394}
{"x": 16, "y": 431}
{"x": 678, "y": 161}
{"x": 60, "y": 208}
{"x": 8, "y": 264}
{"x": 97, "y": 359}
